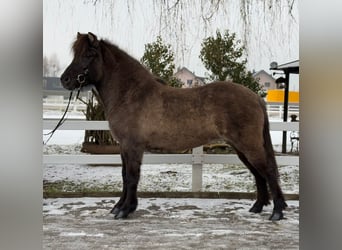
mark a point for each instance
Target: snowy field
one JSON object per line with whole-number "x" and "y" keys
{"x": 162, "y": 177}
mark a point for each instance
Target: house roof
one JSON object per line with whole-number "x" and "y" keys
{"x": 291, "y": 67}
{"x": 186, "y": 69}
{"x": 262, "y": 72}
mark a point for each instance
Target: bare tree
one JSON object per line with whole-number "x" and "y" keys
{"x": 54, "y": 65}
{"x": 257, "y": 21}
{"x": 51, "y": 65}
{"x": 45, "y": 66}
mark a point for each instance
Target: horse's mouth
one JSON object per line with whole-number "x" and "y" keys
{"x": 69, "y": 87}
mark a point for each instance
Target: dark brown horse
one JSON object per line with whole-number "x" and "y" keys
{"x": 143, "y": 114}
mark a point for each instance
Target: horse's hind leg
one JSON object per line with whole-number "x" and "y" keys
{"x": 261, "y": 184}
{"x": 277, "y": 194}
{"x": 268, "y": 170}
{"x": 116, "y": 208}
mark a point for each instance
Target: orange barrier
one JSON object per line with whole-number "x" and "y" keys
{"x": 277, "y": 95}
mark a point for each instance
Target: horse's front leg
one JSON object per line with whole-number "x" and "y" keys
{"x": 129, "y": 200}
{"x": 118, "y": 205}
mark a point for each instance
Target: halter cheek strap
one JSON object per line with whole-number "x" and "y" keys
{"x": 81, "y": 78}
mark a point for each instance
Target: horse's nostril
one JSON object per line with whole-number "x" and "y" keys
{"x": 65, "y": 79}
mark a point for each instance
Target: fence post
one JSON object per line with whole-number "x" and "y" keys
{"x": 197, "y": 167}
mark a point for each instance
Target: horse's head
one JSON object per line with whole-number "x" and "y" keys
{"x": 86, "y": 67}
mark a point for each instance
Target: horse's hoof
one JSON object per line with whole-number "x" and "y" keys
{"x": 121, "y": 215}
{"x": 115, "y": 211}
{"x": 276, "y": 216}
{"x": 256, "y": 208}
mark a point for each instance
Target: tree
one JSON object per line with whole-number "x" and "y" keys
{"x": 46, "y": 66}
{"x": 54, "y": 64}
{"x": 51, "y": 66}
{"x": 270, "y": 22}
{"x": 222, "y": 56}
{"x": 159, "y": 59}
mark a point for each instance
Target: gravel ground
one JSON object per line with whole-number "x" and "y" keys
{"x": 84, "y": 223}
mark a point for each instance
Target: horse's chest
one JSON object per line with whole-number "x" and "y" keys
{"x": 122, "y": 129}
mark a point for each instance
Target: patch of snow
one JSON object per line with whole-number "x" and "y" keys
{"x": 222, "y": 232}
{"x": 80, "y": 234}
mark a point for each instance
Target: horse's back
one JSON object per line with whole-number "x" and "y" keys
{"x": 184, "y": 118}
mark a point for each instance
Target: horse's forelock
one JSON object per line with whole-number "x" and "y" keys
{"x": 80, "y": 45}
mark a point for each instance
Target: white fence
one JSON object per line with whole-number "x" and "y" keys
{"x": 58, "y": 100}
{"x": 277, "y": 110}
{"x": 196, "y": 159}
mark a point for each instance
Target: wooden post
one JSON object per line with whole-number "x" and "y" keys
{"x": 197, "y": 167}
{"x": 286, "y": 106}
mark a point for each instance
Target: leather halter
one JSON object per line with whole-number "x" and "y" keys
{"x": 81, "y": 78}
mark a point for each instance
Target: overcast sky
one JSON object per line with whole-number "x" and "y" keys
{"x": 132, "y": 25}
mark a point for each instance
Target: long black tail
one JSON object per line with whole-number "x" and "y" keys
{"x": 271, "y": 161}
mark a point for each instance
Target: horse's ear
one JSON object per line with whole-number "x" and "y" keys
{"x": 93, "y": 40}
{"x": 78, "y": 35}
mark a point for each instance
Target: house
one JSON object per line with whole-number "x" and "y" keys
{"x": 266, "y": 80}
{"x": 188, "y": 78}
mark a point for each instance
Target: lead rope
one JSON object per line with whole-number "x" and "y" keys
{"x": 62, "y": 120}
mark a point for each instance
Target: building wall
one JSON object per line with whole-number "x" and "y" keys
{"x": 266, "y": 80}
{"x": 188, "y": 79}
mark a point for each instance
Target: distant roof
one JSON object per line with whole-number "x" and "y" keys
{"x": 262, "y": 72}
{"x": 292, "y": 67}
{"x": 185, "y": 68}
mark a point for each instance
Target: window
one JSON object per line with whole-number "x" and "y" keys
{"x": 267, "y": 84}
{"x": 189, "y": 82}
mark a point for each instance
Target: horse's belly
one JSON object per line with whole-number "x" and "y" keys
{"x": 180, "y": 140}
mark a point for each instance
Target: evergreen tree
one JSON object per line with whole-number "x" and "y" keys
{"x": 159, "y": 58}
{"x": 222, "y": 56}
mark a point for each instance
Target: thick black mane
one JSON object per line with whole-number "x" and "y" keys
{"x": 112, "y": 54}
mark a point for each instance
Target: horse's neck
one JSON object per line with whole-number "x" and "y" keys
{"x": 122, "y": 75}
{"x": 118, "y": 85}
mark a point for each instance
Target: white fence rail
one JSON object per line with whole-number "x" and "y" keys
{"x": 196, "y": 159}
{"x": 277, "y": 110}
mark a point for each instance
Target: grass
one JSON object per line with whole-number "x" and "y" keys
{"x": 84, "y": 187}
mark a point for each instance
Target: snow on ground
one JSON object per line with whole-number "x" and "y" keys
{"x": 85, "y": 223}
{"x": 159, "y": 177}
{"x": 164, "y": 177}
